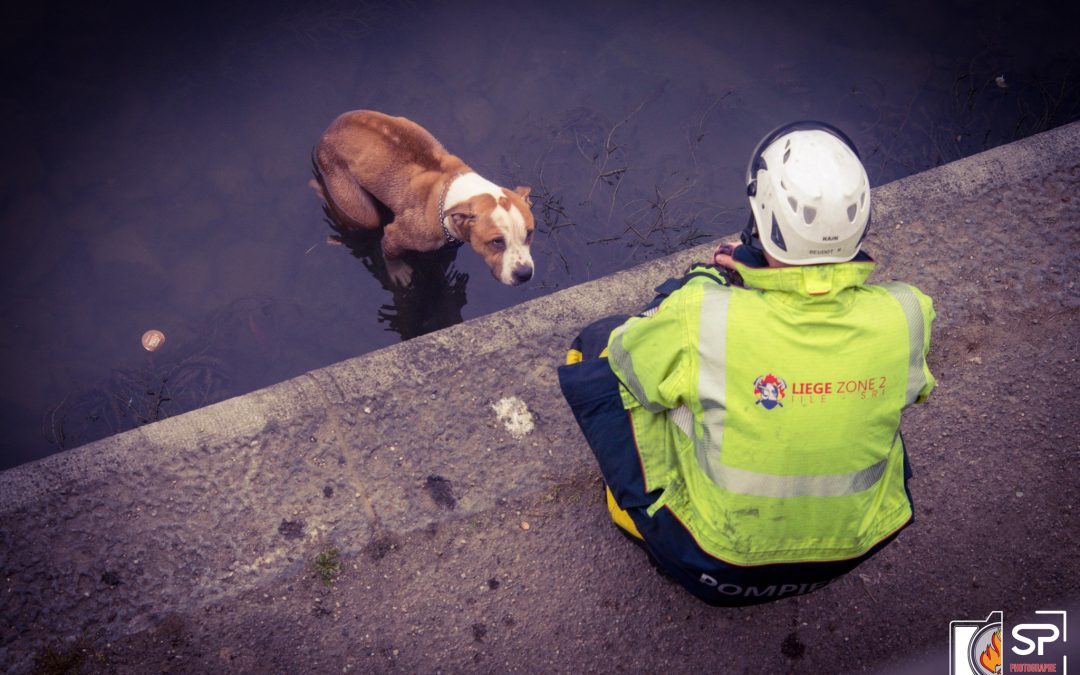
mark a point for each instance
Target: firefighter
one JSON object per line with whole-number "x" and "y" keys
{"x": 747, "y": 422}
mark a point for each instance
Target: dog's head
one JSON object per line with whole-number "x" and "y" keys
{"x": 500, "y": 229}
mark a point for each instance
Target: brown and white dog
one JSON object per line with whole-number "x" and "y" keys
{"x": 366, "y": 158}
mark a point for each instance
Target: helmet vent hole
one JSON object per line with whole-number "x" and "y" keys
{"x": 851, "y": 211}
{"x": 809, "y": 213}
{"x": 787, "y": 153}
{"x": 793, "y": 204}
{"x": 862, "y": 199}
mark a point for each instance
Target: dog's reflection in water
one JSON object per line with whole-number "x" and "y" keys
{"x": 432, "y": 300}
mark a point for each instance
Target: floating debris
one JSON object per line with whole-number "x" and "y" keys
{"x": 1000, "y": 81}
{"x": 152, "y": 340}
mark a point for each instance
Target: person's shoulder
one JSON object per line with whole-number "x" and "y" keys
{"x": 698, "y": 280}
{"x": 900, "y": 286}
{"x": 909, "y": 296}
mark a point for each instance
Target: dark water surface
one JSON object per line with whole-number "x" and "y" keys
{"x": 156, "y": 161}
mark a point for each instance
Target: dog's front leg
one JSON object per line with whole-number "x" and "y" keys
{"x": 393, "y": 246}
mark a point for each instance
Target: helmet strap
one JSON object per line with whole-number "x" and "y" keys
{"x": 750, "y": 236}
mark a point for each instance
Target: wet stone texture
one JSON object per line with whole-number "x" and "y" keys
{"x": 191, "y": 544}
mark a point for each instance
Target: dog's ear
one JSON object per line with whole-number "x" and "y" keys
{"x": 524, "y": 192}
{"x": 462, "y": 216}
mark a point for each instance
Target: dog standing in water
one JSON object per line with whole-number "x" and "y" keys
{"x": 366, "y": 159}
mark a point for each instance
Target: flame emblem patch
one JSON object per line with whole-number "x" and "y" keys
{"x": 769, "y": 389}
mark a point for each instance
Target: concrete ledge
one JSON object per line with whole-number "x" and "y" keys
{"x": 201, "y": 507}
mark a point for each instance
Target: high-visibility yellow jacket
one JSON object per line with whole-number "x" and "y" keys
{"x": 767, "y": 418}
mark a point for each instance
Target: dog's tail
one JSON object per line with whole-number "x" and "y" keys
{"x": 318, "y": 184}
{"x": 315, "y": 170}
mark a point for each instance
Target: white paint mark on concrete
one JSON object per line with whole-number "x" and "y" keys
{"x": 514, "y": 415}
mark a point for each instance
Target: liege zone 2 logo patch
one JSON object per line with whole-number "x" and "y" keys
{"x": 769, "y": 389}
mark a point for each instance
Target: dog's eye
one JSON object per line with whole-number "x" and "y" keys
{"x": 498, "y": 243}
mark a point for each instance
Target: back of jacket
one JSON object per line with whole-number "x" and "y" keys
{"x": 768, "y": 416}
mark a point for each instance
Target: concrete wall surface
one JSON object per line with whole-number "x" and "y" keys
{"x": 466, "y": 537}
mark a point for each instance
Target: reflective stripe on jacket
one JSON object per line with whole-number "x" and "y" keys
{"x": 766, "y": 418}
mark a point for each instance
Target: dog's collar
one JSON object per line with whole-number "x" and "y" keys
{"x": 451, "y": 240}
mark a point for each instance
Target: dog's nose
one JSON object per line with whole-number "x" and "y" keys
{"x": 521, "y": 274}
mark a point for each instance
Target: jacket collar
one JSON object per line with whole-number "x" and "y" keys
{"x": 810, "y": 281}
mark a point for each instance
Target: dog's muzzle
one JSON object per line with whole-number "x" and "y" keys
{"x": 521, "y": 274}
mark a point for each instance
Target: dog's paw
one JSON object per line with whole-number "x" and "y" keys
{"x": 399, "y": 272}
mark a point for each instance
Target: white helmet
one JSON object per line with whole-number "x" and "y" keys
{"x": 809, "y": 194}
